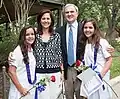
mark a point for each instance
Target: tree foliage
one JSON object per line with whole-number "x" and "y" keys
{"x": 8, "y": 42}
{"x": 9, "y": 35}
{"x": 106, "y": 12}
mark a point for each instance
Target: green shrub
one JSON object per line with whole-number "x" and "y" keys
{"x": 115, "y": 68}
{"x": 116, "y": 44}
{"x": 7, "y": 45}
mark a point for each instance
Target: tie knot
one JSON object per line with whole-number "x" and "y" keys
{"x": 70, "y": 25}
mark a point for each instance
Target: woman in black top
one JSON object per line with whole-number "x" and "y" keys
{"x": 48, "y": 55}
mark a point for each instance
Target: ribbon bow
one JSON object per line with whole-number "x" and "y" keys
{"x": 40, "y": 88}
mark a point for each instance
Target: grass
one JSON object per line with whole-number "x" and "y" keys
{"x": 115, "y": 68}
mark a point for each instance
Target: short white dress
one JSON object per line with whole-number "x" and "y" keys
{"x": 22, "y": 74}
{"x": 102, "y": 54}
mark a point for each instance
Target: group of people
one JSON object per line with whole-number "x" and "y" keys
{"x": 47, "y": 52}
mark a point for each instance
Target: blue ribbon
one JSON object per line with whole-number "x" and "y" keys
{"x": 99, "y": 74}
{"x": 95, "y": 58}
{"x": 29, "y": 75}
{"x": 39, "y": 88}
{"x": 93, "y": 67}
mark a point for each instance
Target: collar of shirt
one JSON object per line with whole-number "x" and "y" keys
{"x": 74, "y": 24}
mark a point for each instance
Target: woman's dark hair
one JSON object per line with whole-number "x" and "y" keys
{"x": 42, "y": 12}
{"x": 97, "y": 33}
{"x": 23, "y": 44}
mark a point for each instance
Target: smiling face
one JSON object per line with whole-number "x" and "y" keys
{"x": 88, "y": 29}
{"x": 30, "y": 36}
{"x": 71, "y": 14}
{"x": 45, "y": 21}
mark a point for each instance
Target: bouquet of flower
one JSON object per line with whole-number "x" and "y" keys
{"x": 79, "y": 67}
{"x": 41, "y": 85}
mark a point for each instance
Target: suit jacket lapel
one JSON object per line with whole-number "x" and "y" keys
{"x": 64, "y": 39}
{"x": 78, "y": 47}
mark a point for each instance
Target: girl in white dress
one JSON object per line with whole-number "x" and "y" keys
{"x": 96, "y": 46}
{"x": 22, "y": 66}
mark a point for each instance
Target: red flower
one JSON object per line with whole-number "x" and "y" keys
{"x": 78, "y": 62}
{"x": 53, "y": 79}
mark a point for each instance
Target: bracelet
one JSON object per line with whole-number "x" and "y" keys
{"x": 62, "y": 70}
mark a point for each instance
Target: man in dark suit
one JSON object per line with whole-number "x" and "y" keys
{"x": 72, "y": 84}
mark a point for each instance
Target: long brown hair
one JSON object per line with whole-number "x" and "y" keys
{"x": 42, "y": 12}
{"x": 97, "y": 33}
{"x": 23, "y": 44}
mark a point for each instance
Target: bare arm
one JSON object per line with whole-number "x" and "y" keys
{"x": 62, "y": 72}
{"x": 13, "y": 76}
{"x": 106, "y": 66}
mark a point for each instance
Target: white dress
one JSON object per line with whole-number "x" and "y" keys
{"x": 22, "y": 74}
{"x": 53, "y": 89}
{"x": 102, "y": 54}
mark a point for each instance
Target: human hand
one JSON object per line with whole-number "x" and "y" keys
{"x": 61, "y": 67}
{"x": 23, "y": 91}
{"x": 110, "y": 49}
{"x": 62, "y": 72}
{"x": 62, "y": 76}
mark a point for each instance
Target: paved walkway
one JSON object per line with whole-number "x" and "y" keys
{"x": 115, "y": 83}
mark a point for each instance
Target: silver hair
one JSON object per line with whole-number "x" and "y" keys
{"x": 67, "y": 5}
